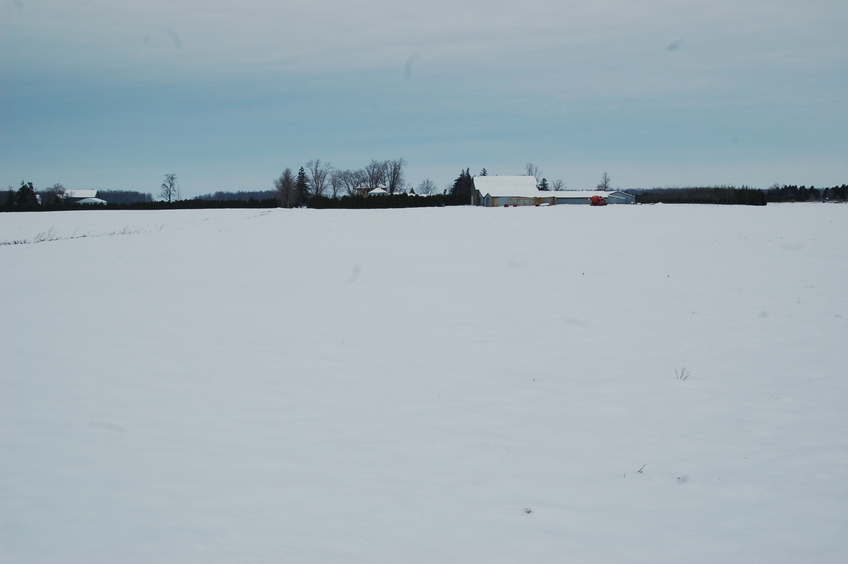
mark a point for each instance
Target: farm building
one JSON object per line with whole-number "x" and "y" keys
{"x": 584, "y": 196}
{"x": 82, "y": 197}
{"x": 498, "y": 191}
{"x": 366, "y": 191}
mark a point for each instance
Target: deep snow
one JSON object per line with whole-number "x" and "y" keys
{"x": 430, "y": 385}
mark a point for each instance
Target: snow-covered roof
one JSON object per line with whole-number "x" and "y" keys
{"x": 377, "y": 192}
{"x": 91, "y": 201}
{"x": 506, "y": 185}
{"x": 80, "y": 193}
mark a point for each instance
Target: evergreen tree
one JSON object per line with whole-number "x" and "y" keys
{"x": 543, "y": 186}
{"x": 484, "y": 172}
{"x": 25, "y": 198}
{"x": 9, "y": 201}
{"x": 301, "y": 187}
{"x": 463, "y": 187}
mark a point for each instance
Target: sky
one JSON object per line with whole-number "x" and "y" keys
{"x": 114, "y": 95}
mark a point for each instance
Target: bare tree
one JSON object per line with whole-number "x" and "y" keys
{"x": 427, "y": 187}
{"x": 604, "y": 184}
{"x": 533, "y": 170}
{"x": 374, "y": 174}
{"x": 317, "y": 173}
{"x": 170, "y": 190}
{"x": 336, "y": 182}
{"x": 55, "y": 194}
{"x": 286, "y": 193}
{"x": 557, "y": 186}
{"x": 349, "y": 180}
{"x": 394, "y": 175}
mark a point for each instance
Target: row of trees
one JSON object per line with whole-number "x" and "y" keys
{"x": 726, "y": 195}
{"x": 124, "y": 196}
{"x": 792, "y": 193}
{"x": 731, "y": 195}
{"x": 27, "y": 197}
{"x": 319, "y": 179}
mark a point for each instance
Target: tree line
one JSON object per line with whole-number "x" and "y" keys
{"x": 792, "y": 193}
{"x": 319, "y": 185}
{"x": 320, "y": 180}
{"x": 730, "y": 195}
{"x": 723, "y": 195}
{"x": 28, "y": 198}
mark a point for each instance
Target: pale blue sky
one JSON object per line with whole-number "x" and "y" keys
{"x": 106, "y": 95}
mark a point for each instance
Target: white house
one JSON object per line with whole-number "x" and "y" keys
{"x": 497, "y": 191}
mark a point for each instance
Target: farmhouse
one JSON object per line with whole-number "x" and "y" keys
{"x": 497, "y": 191}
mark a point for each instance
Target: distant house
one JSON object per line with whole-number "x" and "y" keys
{"x": 82, "y": 197}
{"x": 378, "y": 191}
{"x": 498, "y": 191}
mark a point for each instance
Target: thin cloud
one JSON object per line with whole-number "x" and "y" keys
{"x": 674, "y": 45}
{"x": 407, "y": 67}
{"x": 178, "y": 43}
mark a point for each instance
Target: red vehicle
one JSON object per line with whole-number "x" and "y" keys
{"x": 597, "y": 201}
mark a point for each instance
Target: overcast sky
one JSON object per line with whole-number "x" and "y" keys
{"x": 114, "y": 95}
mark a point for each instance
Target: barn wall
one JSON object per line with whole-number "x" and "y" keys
{"x": 621, "y": 198}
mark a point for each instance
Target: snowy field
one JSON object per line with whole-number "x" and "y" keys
{"x": 425, "y": 385}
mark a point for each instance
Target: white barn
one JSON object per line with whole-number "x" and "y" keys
{"x": 497, "y": 191}
{"x": 82, "y": 197}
